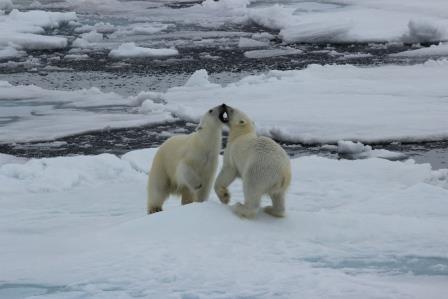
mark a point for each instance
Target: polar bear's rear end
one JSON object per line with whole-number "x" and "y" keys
{"x": 261, "y": 163}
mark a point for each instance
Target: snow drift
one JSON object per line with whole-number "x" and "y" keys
{"x": 74, "y": 227}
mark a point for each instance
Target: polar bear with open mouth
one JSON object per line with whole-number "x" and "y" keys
{"x": 259, "y": 161}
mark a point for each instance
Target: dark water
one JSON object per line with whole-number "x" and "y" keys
{"x": 120, "y": 141}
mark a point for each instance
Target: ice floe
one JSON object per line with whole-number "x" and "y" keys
{"x": 131, "y": 50}
{"x": 364, "y": 228}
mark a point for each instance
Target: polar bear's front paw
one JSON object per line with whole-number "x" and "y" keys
{"x": 224, "y": 195}
{"x": 274, "y": 212}
{"x": 153, "y": 210}
{"x": 244, "y": 211}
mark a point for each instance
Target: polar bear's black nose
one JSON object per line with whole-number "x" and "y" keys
{"x": 223, "y": 115}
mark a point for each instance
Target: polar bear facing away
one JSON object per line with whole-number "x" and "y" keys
{"x": 260, "y": 162}
{"x": 186, "y": 164}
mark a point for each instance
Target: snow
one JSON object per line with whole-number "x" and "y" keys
{"x": 144, "y": 28}
{"x": 75, "y": 227}
{"x": 76, "y": 56}
{"x": 251, "y": 43}
{"x": 88, "y": 40}
{"x": 325, "y": 104}
{"x": 355, "y": 21}
{"x": 356, "y": 55}
{"x": 432, "y": 51}
{"x": 100, "y": 27}
{"x": 357, "y": 150}
{"x": 296, "y": 21}
{"x": 10, "y": 52}
{"x": 200, "y": 79}
{"x": 25, "y": 30}
{"x": 32, "y": 113}
{"x": 130, "y": 50}
{"x": 316, "y": 105}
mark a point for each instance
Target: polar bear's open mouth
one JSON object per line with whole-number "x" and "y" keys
{"x": 224, "y": 117}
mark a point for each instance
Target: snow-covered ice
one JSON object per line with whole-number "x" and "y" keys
{"x": 130, "y": 50}
{"x": 319, "y": 104}
{"x": 355, "y": 21}
{"x": 431, "y": 51}
{"x": 251, "y": 43}
{"x": 10, "y": 52}
{"x": 325, "y": 104}
{"x": 357, "y": 150}
{"x": 75, "y": 227}
{"x": 32, "y": 113}
{"x": 25, "y": 30}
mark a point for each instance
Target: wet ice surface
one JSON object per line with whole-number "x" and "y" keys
{"x": 120, "y": 141}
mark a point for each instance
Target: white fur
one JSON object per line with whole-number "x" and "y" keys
{"x": 186, "y": 164}
{"x": 261, "y": 163}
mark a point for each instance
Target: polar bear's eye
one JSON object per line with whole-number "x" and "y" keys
{"x": 210, "y": 111}
{"x": 242, "y": 122}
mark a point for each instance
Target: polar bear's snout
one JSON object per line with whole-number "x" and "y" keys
{"x": 224, "y": 113}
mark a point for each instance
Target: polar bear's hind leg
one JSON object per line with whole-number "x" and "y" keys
{"x": 278, "y": 205}
{"x": 187, "y": 196}
{"x": 252, "y": 199}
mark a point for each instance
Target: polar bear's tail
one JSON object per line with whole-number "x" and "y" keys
{"x": 286, "y": 178}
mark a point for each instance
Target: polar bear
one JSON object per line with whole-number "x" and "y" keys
{"x": 186, "y": 164}
{"x": 261, "y": 163}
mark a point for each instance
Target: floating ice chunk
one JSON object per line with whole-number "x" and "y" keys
{"x": 150, "y": 107}
{"x": 251, "y": 43}
{"x": 130, "y": 50}
{"x": 349, "y": 147}
{"x": 10, "y": 52}
{"x": 100, "y": 27}
{"x": 40, "y": 18}
{"x": 23, "y": 30}
{"x": 424, "y": 31}
{"x": 76, "y": 57}
{"x": 316, "y": 31}
{"x": 355, "y": 55}
{"x": 357, "y": 150}
{"x": 50, "y": 113}
{"x": 324, "y": 104}
{"x": 354, "y": 22}
{"x": 263, "y": 36}
{"x": 226, "y": 4}
{"x": 271, "y": 53}
{"x": 147, "y": 28}
{"x": 199, "y": 79}
{"x": 433, "y": 51}
{"x": 88, "y": 40}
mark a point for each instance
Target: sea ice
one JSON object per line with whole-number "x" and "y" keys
{"x": 130, "y": 50}
{"x": 365, "y": 228}
{"x": 431, "y": 51}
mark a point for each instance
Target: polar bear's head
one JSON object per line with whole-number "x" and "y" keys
{"x": 211, "y": 119}
{"x": 238, "y": 122}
